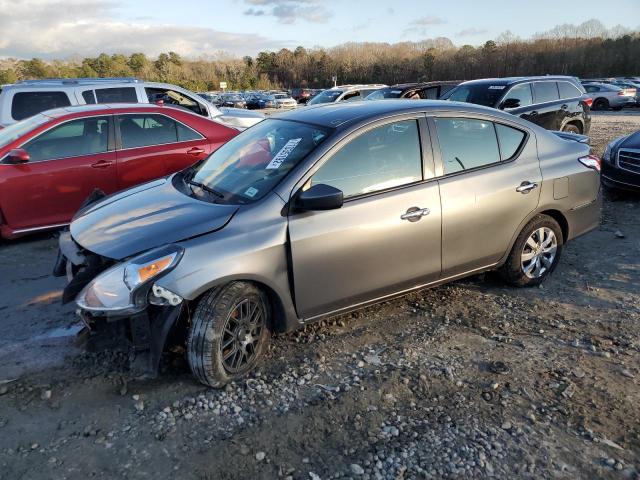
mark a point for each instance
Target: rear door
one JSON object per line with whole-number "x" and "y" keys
{"x": 547, "y": 111}
{"x": 67, "y": 163}
{"x": 370, "y": 247}
{"x": 151, "y": 145}
{"x": 489, "y": 183}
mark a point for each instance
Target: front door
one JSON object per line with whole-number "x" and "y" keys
{"x": 67, "y": 163}
{"x": 386, "y": 236}
{"x": 490, "y": 183}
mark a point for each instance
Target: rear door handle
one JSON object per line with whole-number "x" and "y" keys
{"x": 101, "y": 164}
{"x": 534, "y": 113}
{"x": 414, "y": 214}
{"x": 526, "y": 187}
{"x": 195, "y": 151}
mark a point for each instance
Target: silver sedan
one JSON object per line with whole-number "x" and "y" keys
{"x": 316, "y": 212}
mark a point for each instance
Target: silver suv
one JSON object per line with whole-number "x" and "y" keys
{"x": 29, "y": 97}
{"x": 322, "y": 210}
{"x": 345, "y": 93}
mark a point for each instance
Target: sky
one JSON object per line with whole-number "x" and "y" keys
{"x": 70, "y": 28}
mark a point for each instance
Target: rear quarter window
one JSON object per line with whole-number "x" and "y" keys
{"x": 27, "y": 104}
{"x": 567, "y": 90}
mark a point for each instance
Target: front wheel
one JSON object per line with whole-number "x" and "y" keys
{"x": 571, "y": 128}
{"x": 229, "y": 333}
{"x": 535, "y": 253}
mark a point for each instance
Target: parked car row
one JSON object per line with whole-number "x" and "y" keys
{"x": 251, "y": 100}
{"x": 613, "y": 93}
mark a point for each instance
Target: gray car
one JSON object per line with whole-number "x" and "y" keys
{"x": 319, "y": 211}
{"x": 605, "y": 96}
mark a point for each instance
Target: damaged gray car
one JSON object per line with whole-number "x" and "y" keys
{"x": 319, "y": 211}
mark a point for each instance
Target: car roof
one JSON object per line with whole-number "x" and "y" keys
{"x": 106, "y": 108}
{"x": 512, "y": 80}
{"x": 340, "y": 115}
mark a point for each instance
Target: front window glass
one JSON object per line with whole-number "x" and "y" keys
{"x": 466, "y": 143}
{"x": 18, "y": 129}
{"x": 247, "y": 167}
{"x": 484, "y": 94}
{"x": 382, "y": 158}
{"x": 86, "y": 136}
{"x": 328, "y": 96}
{"x": 520, "y": 94}
{"x": 567, "y": 90}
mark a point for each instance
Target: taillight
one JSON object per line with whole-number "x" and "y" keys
{"x": 591, "y": 161}
{"x": 588, "y": 101}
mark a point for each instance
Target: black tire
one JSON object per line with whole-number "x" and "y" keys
{"x": 513, "y": 270}
{"x": 616, "y": 109}
{"x": 571, "y": 128}
{"x": 214, "y": 320}
{"x": 601, "y": 104}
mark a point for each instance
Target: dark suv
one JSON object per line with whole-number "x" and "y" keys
{"x": 553, "y": 102}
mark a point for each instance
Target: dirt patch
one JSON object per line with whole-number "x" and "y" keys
{"x": 469, "y": 380}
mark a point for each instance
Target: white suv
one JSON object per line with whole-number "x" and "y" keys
{"x": 29, "y": 97}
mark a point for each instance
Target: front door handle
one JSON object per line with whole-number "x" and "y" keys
{"x": 195, "y": 151}
{"x": 101, "y": 164}
{"x": 534, "y": 113}
{"x": 526, "y": 187}
{"x": 415, "y": 213}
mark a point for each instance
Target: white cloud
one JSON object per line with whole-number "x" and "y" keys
{"x": 469, "y": 32}
{"x": 59, "y": 29}
{"x": 420, "y": 25}
{"x": 290, "y": 11}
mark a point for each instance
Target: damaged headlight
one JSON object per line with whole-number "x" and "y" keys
{"x": 123, "y": 289}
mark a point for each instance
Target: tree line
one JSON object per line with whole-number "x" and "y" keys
{"x": 586, "y": 50}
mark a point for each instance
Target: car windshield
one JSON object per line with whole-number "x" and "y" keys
{"x": 481, "y": 94}
{"x": 281, "y": 95}
{"x": 327, "y": 96}
{"x": 15, "y": 131}
{"x": 384, "y": 93}
{"x": 247, "y": 167}
{"x": 234, "y": 97}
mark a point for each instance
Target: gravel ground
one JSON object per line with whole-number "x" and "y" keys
{"x": 469, "y": 380}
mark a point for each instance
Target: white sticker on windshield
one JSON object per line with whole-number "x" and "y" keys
{"x": 496, "y": 87}
{"x": 284, "y": 152}
{"x": 251, "y": 192}
{"x": 396, "y": 91}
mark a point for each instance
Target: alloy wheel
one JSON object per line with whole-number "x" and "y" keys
{"x": 241, "y": 335}
{"x": 539, "y": 252}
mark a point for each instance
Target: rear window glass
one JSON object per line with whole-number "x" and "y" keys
{"x": 466, "y": 143}
{"x": 27, "y": 104}
{"x": 117, "y": 95}
{"x": 568, "y": 91}
{"x": 545, "y": 91}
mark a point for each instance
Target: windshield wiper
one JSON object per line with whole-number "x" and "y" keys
{"x": 205, "y": 188}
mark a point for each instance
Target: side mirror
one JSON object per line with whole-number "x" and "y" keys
{"x": 319, "y": 197}
{"x": 17, "y": 156}
{"x": 510, "y": 103}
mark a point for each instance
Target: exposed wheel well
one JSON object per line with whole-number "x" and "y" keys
{"x": 578, "y": 124}
{"x": 562, "y": 221}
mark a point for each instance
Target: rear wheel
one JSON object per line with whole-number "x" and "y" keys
{"x": 229, "y": 333}
{"x": 601, "y": 104}
{"x": 535, "y": 254}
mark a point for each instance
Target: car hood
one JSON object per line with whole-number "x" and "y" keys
{"x": 144, "y": 217}
{"x": 632, "y": 141}
{"x": 239, "y": 118}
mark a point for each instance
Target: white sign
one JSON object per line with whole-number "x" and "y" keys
{"x": 223, "y": 85}
{"x": 284, "y": 152}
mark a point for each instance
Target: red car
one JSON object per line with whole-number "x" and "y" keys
{"x": 51, "y": 162}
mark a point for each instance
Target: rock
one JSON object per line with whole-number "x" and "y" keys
{"x": 373, "y": 359}
{"x": 357, "y": 469}
{"x": 610, "y": 462}
{"x": 578, "y": 373}
{"x": 139, "y": 406}
{"x": 244, "y": 450}
{"x": 618, "y": 234}
{"x": 260, "y": 456}
{"x": 3, "y": 390}
{"x": 506, "y": 426}
{"x": 627, "y": 373}
{"x": 135, "y": 397}
{"x": 314, "y": 476}
{"x": 46, "y": 395}
{"x": 610, "y": 443}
